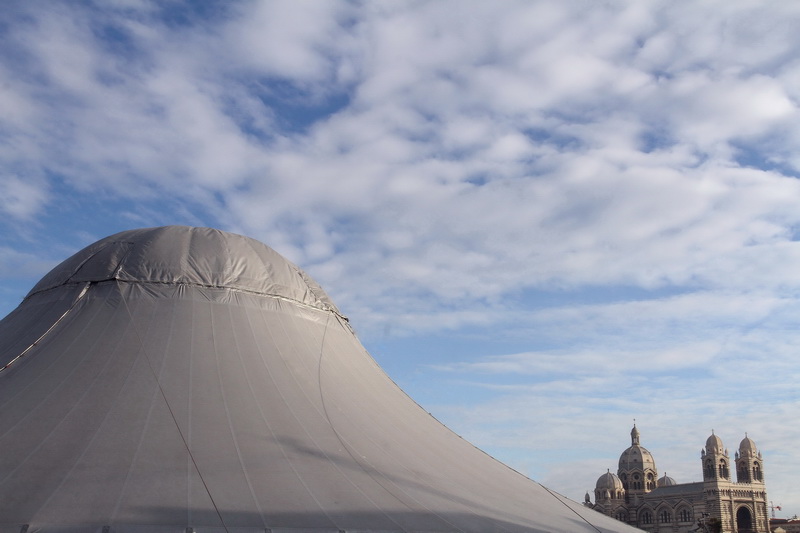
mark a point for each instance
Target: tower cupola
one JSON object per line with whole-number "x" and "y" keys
{"x": 714, "y": 444}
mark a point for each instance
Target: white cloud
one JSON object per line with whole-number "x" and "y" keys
{"x": 290, "y": 40}
{"x": 22, "y": 198}
{"x": 440, "y": 166}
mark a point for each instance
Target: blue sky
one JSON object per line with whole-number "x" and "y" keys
{"x": 543, "y": 218}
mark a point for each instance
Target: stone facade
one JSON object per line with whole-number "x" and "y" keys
{"x": 637, "y": 496}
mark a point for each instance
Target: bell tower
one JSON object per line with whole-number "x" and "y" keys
{"x": 750, "y": 502}
{"x": 749, "y": 463}
{"x": 716, "y": 462}
{"x": 716, "y": 481}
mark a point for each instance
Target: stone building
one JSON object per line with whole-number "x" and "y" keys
{"x": 638, "y": 496}
{"x": 784, "y": 525}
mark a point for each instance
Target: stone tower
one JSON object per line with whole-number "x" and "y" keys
{"x": 740, "y": 507}
{"x": 749, "y": 492}
{"x": 748, "y": 462}
{"x": 716, "y": 463}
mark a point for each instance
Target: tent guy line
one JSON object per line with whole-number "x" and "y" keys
{"x": 336, "y": 433}
{"x": 568, "y": 507}
{"x": 349, "y": 450}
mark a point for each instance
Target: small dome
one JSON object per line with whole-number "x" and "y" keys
{"x": 714, "y": 444}
{"x": 748, "y": 447}
{"x": 665, "y": 481}
{"x": 609, "y": 481}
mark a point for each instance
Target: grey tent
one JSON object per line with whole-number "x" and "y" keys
{"x": 182, "y": 379}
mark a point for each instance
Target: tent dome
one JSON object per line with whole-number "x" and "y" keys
{"x": 188, "y": 255}
{"x": 176, "y": 379}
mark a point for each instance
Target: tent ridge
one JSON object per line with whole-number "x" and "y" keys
{"x": 51, "y": 328}
{"x": 321, "y": 307}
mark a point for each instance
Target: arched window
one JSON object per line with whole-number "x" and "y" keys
{"x": 723, "y": 469}
{"x": 646, "y": 517}
{"x": 741, "y": 474}
{"x": 709, "y": 468}
{"x": 665, "y": 517}
{"x": 756, "y": 472}
{"x": 622, "y": 516}
{"x": 685, "y": 515}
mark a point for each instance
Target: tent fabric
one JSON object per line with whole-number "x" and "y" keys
{"x": 193, "y": 256}
{"x": 185, "y": 379}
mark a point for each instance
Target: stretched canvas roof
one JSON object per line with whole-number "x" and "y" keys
{"x": 172, "y": 378}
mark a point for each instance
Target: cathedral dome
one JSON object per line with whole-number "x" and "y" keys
{"x": 636, "y": 457}
{"x": 609, "y": 481}
{"x": 666, "y": 481}
{"x": 714, "y": 444}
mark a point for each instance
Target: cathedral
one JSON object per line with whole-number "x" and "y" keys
{"x": 637, "y": 496}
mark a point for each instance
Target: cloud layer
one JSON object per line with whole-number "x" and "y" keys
{"x": 602, "y": 201}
